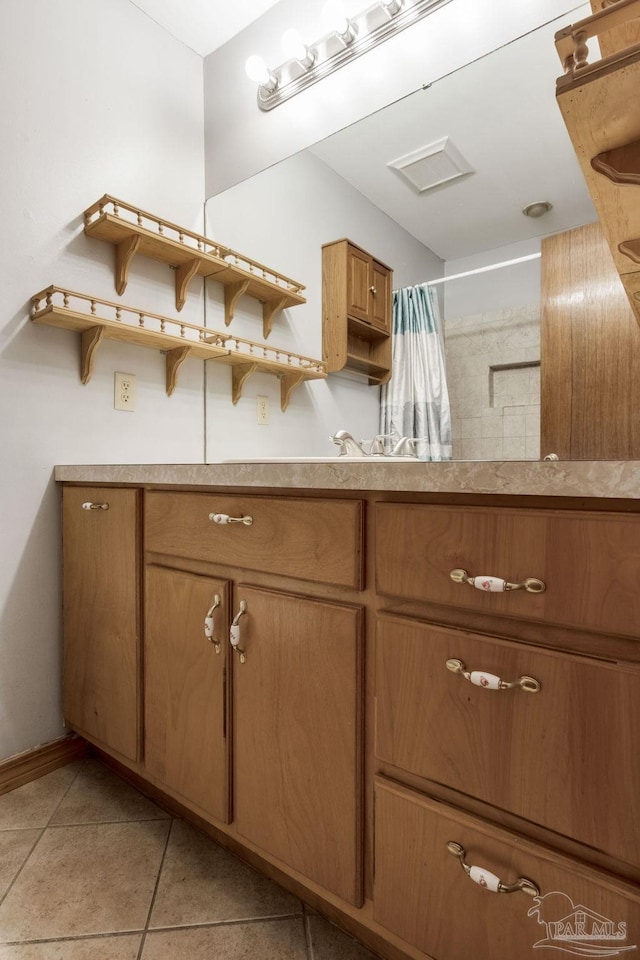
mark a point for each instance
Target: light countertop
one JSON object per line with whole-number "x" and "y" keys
{"x": 575, "y": 478}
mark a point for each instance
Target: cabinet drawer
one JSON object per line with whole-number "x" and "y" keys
{"x": 423, "y": 895}
{"x": 558, "y": 757}
{"x": 589, "y": 562}
{"x": 319, "y": 540}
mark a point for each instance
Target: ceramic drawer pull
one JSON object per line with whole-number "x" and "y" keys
{"x": 489, "y": 880}
{"x": 209, "y": 627}
{"x": 495, "y": 584}
{"x": 234, "y": 633}
{"x": 95, "y": 506}
{"x": 225, "y": 518}
{"x": 490, "y": 681}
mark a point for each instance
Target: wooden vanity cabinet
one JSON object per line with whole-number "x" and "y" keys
{"x": 101, "y": 616}
{"x": 346, "y": 760}
{"x": 356, "y": 311}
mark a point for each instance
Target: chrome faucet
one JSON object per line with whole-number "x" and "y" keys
{"x": 405, "y": 447}
{"x": 349, "y": 447}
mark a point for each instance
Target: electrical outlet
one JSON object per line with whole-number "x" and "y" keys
{"x": 124, "y": 391}
{"x": 262, "y": 409}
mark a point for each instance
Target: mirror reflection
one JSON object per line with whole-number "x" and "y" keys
{"x": 434, "y": 186}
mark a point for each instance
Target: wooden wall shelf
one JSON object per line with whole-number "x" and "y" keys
{"x": 598, "y": 102}
{"x": 133, "y": 231}
{"x": 97, "y": 320}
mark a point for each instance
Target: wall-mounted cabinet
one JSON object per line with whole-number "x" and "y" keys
{"x": 356, "y": 312}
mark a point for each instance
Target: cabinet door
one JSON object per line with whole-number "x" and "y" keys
{"x": 380, "y": 303}
{"x": 358, "y": 283}
{"x": 186, "y": 712}
{"x": 101, "y": 616}
{"x": 297, "y": 736}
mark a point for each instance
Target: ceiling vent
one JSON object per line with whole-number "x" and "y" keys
{"x": 433, "y": 165}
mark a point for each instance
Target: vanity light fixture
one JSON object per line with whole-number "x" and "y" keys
{"x": 347, "y": 38}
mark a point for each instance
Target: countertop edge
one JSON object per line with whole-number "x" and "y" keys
{"x": 619, "y": 479}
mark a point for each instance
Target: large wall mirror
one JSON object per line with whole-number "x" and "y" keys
{"x": 500, "y": 123}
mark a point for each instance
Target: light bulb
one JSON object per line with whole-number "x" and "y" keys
{"x": 334, "y": 17}
{"x": 293, "y": 46}
{"x": 257, "y": 70}
{"x": 392, "y": 6}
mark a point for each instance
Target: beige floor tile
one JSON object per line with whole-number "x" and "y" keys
{"x": 95, "y": 878}
{"x": 329, "y": 943}
{"x": 266, "y": 940}
{"x": 98, "y": 795}
{"x": 101, "y": 948}
{"x": 15, "y": 847}
{"x": 33, "y": 804}
{"x": 202, "y": 883}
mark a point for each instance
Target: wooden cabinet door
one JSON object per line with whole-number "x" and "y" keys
{"x": 101, "y": 575}
{"x": 297, "y": 736}
{"x": 186, "y": 710}
{"x": 380, "y": 303}
{"x": 358, "y": 283}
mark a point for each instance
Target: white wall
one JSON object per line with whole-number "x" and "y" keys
{"x": 282, "y": 217}
{"x": 241, "y": 139}
{"x": 94, "y": 98}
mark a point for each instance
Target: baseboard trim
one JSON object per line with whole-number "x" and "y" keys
{"x": 33, "y": 764}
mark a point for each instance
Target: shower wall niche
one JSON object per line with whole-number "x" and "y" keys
{"x": 493, "y": 374}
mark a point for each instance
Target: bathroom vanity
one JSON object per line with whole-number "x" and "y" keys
{"x": 281, "y": 652}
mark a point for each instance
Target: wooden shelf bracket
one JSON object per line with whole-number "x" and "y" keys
{"x": 125, "y": 252}
{"x": 232, "y": 293}
{"x": 89, "y": 342}
{"x": 175, "y": 359}
{"x": 288, "y": 383}
{"x": 184, "y": 274}
{"x": 240, "y": 373}
{"x": 269, "y": 309}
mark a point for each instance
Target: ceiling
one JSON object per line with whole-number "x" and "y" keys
{"x": 204, "y": 25}
{"x": 499, "y": 112}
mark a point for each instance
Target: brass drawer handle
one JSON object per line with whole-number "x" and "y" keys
{"x": 209, "y": 626}
{"x": 225, "y": 518}
{"x": 489, "y": 880}
{"x": 234, "y": 633}
{"x": 373, "y": 290}
{"x": 480, "y": 678}
{"x": 95, "y": 506}
{"x": 495, "y": 584}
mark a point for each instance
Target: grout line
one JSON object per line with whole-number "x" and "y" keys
{"x": 225, "y": 923}
{"x": 100, "y": 823}
{"x": 155, "y": 890}
{"x": 66, "y": 793}
{"x": 73, "y": 938}
{"x": 307, "y": 934}
{"x": 42, "y": 831}
{"x": 24, "y": 863}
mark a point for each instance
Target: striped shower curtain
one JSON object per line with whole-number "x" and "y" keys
{"x": 415, "y": 402}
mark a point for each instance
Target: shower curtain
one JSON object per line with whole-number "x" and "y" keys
{"x": 415, "y": 402}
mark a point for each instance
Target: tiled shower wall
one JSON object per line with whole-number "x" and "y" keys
{"x": 493, "y": 374}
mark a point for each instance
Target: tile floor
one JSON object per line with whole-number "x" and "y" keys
{"x": 89, "y": 868}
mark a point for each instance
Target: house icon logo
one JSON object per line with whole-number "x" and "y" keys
{"x": 576, "y": 929}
